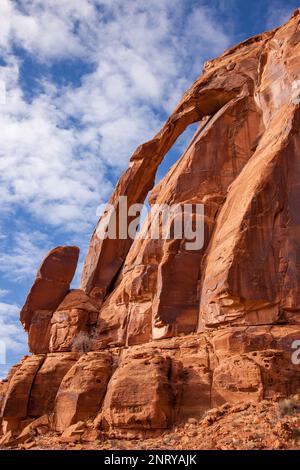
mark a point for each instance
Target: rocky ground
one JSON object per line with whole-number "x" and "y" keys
{"x": 248, "y": 426}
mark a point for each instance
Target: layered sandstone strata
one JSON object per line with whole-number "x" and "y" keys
{"x": 158, "y": 333}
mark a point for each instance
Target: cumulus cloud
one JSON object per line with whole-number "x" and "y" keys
{"x": 4, "y": 292}
{"x": 45, "y": 31}
{"x": 12, "y": 336}
{"x": 44, "y": 166}
{"x": 20, "y": 259}
{"x": 8, "y": 310}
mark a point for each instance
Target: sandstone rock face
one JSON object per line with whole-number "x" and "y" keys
{"x": 82, "y": 390}
{"x": 169, "y": 332}
{"x": 51, "y": 285}
{"x": 76, "y": 314}
{"x": 139, "y": 395}
{"x": 47, "y": 382}
{"x": 150, "y": 387}
{"x": 157, "y": 294}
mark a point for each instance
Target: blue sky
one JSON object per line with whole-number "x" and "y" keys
{"x": 86, "y": 82}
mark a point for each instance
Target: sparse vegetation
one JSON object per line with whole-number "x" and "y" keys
{"x": 288, "y": 406}
{"x": 82, "y": 342}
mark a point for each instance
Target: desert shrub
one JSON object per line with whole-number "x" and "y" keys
{"x": 81, "y": 342}
{"x": 288, "y": 406}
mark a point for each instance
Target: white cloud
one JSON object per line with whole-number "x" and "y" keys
{"x": 41, "y": 165}
{"x": 8, "y": 310}
{"x": 13, "y": 336}
{"x": 4, "y": 369}
{"x": 46, "y": 31}
{"x": 4, "y": 292}
{"x": 23, "y": 258}
{"x": 13, "y": 339}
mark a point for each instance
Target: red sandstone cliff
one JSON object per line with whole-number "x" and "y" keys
{"x": 173, "y": 333}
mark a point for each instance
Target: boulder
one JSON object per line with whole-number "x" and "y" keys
{"x": 82, "y": 390}
{"x": 51, "y": 285}
{"x": 75, "y": 315}
{"x": 16, "y": 401}
{"x": 47, "y": 382}
{"x": 73, "y": 433}
{"x": 139, "y": 395}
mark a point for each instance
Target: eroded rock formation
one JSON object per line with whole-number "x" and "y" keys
{"x": 173, "y": 332}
